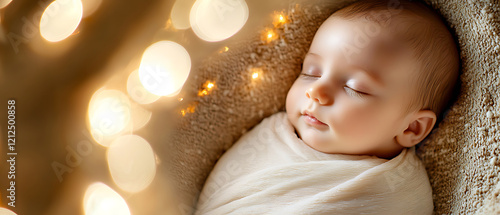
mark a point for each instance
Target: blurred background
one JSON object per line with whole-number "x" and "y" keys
{"x": 97, "y": 84}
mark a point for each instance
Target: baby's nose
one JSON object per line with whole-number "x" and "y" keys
{"x": 320, "y": 93}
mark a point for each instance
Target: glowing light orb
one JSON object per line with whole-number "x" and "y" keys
{"x": 109, "y": 114}
{"x": 60, "y": 19}
{"x": 5, "y": 211}
{"x": 279, "y": 18}
{"x": 132, "y": 163}
{"x": 90, "y": 6}
{"x": 255, "y": 75}
{"x": 4, "y": 3}
{"x": 140, "y": 116}
{"x": 100, "y": 199}
{"x": 165, "y": 67}
{"x": 216, "y": 20}
{"x": 137, "y": 91}
{"x": 269, "y": 35}
{"x": 180, "y": 13}
{"x": 206, "y": 88}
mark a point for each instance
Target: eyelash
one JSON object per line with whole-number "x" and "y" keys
{"x": 354, "y": 93}
{"x": 348, "y": 90}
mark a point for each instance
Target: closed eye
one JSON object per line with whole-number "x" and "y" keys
{"x": 355, "y": 93}
{"x": 309, "y": 75}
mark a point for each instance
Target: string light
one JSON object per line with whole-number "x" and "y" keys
{"x": 207, "y": 87}
{"x": 279, "y": 18}
{"x": 224, "y": 49}
{"x": 255, "y": 75}
{"x": 190, "y": 109}
{"x": 269, "y": 35}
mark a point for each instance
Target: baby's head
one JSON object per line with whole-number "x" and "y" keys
{"x": 376, "y": 76}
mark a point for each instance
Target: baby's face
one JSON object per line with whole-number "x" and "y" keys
{"x": 352, "y": 95}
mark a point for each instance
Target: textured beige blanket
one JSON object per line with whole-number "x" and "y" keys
{"x": 271, "y": 171}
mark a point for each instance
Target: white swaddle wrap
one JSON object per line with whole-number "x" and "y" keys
{"x": 270, "y": 170}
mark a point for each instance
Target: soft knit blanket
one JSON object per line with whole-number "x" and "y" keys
{"x": 271, "y": 171}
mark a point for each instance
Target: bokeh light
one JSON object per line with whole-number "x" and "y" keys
{"x": 190, "y": 109}
{"x": 100, "y": 199}
{"x": 207, "y": 87}
{"x": 5, "y": 211}
{"x": 131, "y": 162}
{"x": 60, "y": 19}
{"x": 90, "y": 6}
{"x": 109, "y": 115}
{"x": 216, "y": 20}
{"x": 180, "y": 13}
{"x": 165, "y": 67}
{"x": 279, "y": 18}
{"x": 4, "y": 3}
{"x": 136, "y": 90}
{"x": 140, "y": 116}
{"x": 256, "y": 73}
{"x": 269, "y": 35}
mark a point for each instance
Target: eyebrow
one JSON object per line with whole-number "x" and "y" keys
{"x": 373, "y": 74}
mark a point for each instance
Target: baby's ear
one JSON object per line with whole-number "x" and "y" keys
{"x": 421, "y": 125}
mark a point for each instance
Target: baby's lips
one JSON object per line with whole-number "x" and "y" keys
{"x": 310, "y": 114}
{"x": 311, "y": 120}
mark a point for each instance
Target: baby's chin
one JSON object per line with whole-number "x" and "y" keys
{"x": 314, "y": 143}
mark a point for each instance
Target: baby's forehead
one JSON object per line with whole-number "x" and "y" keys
{"x": 367, "y": 38}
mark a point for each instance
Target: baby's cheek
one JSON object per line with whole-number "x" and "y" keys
{"x": 360, "y": 123}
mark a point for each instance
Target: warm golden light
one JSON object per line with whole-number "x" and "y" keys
{"x": 131, "y": 162}
{"x": 108, "y": 114}
{"x": 180, "y": 99}
{"x": 4, "y": 3}
{"x": 5, "y": 211}
{"x": 190, "y": 109}
{"x": 279, "y": 18}
{"x": 180, "y": 13}
{"x": 269, "y": 35}
{"x": 206, "y": 88}
{"x": 256, "y": 72}
{"x": 60, "y": 19}
{"x": 255, "y": 75}
{"x": 100, "y": 199}
{"x": 165, "y": 67}
{"x": 140, "y": 116}
{"x": 169, "y": 26}
{"x": 216, "y": 20}
{"x": 224, "y": 49}
{"x": 136, "y": 90}
{"x": 90, "y": 6}
{"x": 203, "y": 93}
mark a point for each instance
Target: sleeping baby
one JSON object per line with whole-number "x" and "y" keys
{"x": 373, "y": 83}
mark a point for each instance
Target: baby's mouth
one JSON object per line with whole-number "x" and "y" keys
{"x": 310, "y": 119}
